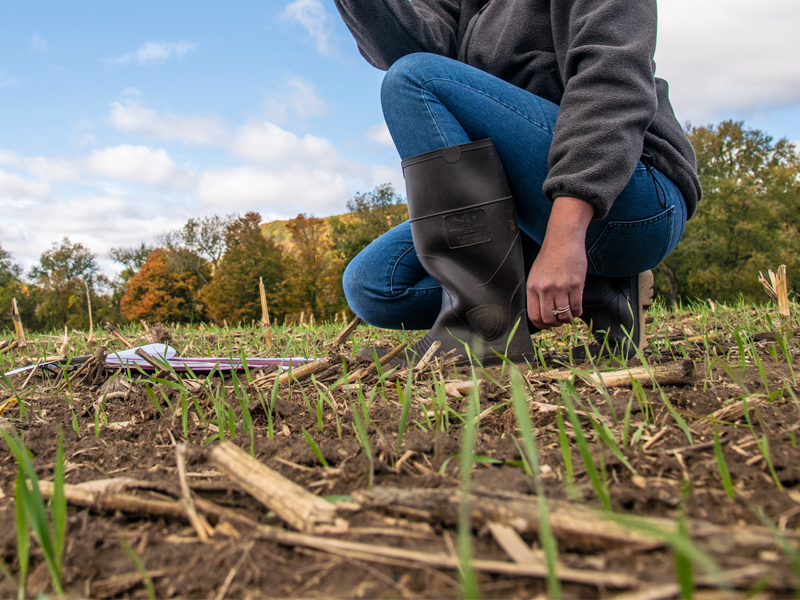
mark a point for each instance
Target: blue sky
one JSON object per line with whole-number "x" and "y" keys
{"x": 121, "y": 120}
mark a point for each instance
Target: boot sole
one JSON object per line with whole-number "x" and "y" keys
{"x": 645, "y": 300}
{"x": 642, "y": 298}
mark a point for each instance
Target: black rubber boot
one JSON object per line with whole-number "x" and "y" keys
{"x": 613, "y": 307}
{"x": 467, "y": 238}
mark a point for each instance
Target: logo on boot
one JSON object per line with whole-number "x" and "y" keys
{"x": 488, "y": 321}
{"x": 467, "y": 229}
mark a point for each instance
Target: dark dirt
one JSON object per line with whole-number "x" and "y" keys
{"x": 673, "y": 476}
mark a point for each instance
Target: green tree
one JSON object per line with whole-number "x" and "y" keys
{"x": 64, "y": 273}
{"x": 205, "y": 240}
{"x": 9, "y": 270}
{"x": 11, "y": 287}
{"x": 233, "y": 294}
{"x": 747, "y": 221}
{"x": 370, "y": 215}
{"x": 131, "y": 259}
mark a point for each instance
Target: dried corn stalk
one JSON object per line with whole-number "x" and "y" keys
{"x": 778, "y": 289}
{"x": 21, "y": 341}
{"x": 265, "y": 314}
{"x": 90, "y": 339}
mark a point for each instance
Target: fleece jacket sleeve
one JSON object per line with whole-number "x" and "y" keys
{"x": 605, "y": 51}
{"x": 387, "y": 30}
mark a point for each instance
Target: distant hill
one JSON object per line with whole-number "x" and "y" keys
{"x": 278, "y": 230}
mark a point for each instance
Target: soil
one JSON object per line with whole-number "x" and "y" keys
{"x": 669, "y": 477}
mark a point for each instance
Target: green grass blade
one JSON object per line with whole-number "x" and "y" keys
{"x": 6, "y": 572}
{"x": 626, "y": 423}
{"x": 563, "y": 442}
{"x": 20, "y": 403}
{"x": 148, "y": 582}
{"x": 684, "y": 571}
{"x": 469, "y": 580}
{"x": 314, "y": 448}
{"x": 23, "y": 537}
{"x": 363, "y": 438}
{"x": 678, "y": 543}
{"x": 405, "y": 400}
{"x": 583, "y": 446}
{"x": 33, "y": 506}
{"x": 722, "y": 466}
{"x": 608, "y": 439}
{"x": 546, "y": 537}
{"x": 58, "y": 504}
{"x": 788, "y": 548}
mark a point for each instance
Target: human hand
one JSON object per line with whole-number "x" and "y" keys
{"x": 555, "y": 282}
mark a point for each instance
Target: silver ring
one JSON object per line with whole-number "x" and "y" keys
{"x": 561, "y": 311}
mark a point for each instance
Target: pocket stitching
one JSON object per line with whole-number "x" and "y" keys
{"x": 596, "y": 259}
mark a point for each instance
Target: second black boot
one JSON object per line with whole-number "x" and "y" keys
{"x": 467, "y": 238}
{"x": 613, "y": 307}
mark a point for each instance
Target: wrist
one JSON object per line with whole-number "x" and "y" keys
{"x": 569, "y": 218}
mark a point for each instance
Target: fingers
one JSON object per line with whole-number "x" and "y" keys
{"x": 553, "y": 306}
{"x": 555, "y": 285}
{"x": 534, "y": 312}
{"x": 563, "y": 311}
{"x": 576, "y": 301}
{"x": 546, "y": 312}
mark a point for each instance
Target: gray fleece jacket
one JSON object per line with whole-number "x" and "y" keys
{"x": 594, "y": 58}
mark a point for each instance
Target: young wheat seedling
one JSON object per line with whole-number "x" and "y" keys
{"x": 722, "y": 466}
{"x": 469, "y": 580}
{"x": 546, "y": 537}
{"x": 567, "y": 391}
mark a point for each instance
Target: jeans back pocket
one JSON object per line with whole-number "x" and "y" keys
{"x": 626, "y": 248}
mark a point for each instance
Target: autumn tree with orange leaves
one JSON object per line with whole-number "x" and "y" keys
{"x": 161, "y": 292}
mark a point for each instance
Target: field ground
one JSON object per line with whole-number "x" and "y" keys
{"x": 644, "y": 499}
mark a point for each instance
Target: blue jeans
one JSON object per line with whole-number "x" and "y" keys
{"x": 431, "y": 102}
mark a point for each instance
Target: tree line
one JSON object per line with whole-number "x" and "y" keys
{"x": 209, "y": 269}
{"x": 748, "y": 219}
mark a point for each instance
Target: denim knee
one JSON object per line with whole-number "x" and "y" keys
{"x": 409, "y": 72}
{"x": 353, "y": 283}
{"x": 362, "y": 291}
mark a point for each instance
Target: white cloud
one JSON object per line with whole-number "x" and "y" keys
{"x": 130, "y": 116}
{"x": 15, "y": 187}
{"x": 98, "y": 221}
{"x": 39, "y": 44}
{"x": 266, "y": 143}
{"x": 312, "y": 16}
{"x": 286, "y": 191}
{"x": 137, "y": 164}
{"x": 151, "y": 52}
{"x": 298, "y": 96}
{"x": 379, "y": 134}
{"x": 120, "y": 195}
{"x": 284, "y": 172}
{"x": 256, "y": 141}
{"x": 728, "y": 57}
{"x": 304, "y": 99}
{"x": 47, "y": 169}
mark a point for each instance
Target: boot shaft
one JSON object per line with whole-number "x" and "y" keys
{"x": 467, "y": 237}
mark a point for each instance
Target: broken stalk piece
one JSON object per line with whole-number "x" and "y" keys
{"x": 265, "y": 314}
